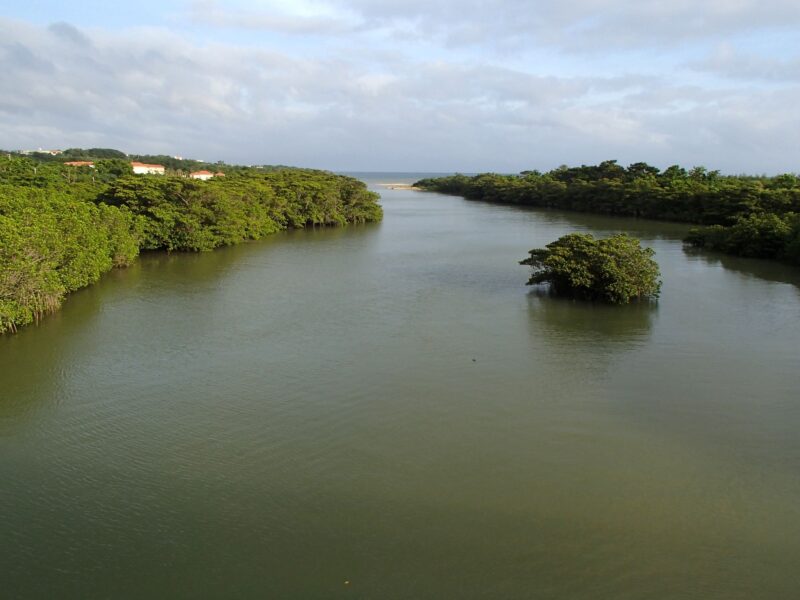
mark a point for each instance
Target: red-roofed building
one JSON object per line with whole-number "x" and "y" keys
{"x": 80, "y": 163}
{"x": 145, "y": 169}
{"x": 205, "y": 175}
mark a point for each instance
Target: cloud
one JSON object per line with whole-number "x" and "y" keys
{"x": 726, "y": 61}
{"x": 575, "y": 26}
{"x": 69, "y": 33}
{"x": 210, "y": 13}
{"x": 374, "y": 107}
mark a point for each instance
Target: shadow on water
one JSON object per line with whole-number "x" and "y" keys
{"x": 767, "y": 270}
{"x": 198, "y": 267}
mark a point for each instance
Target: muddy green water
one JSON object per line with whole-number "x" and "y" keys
{"x": 390, "y": 406}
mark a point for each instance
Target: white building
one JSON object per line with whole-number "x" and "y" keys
{"x": 145, "y": 169}
{"x": 41, "y": 151}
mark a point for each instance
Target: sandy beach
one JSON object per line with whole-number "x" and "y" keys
{"x": 399, "y": 186}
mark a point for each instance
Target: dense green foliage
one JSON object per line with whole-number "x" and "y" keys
{"x": 186, "y": 214}
{"x": 736, "y": 207}
{"x": 61, "y": 226}
{"x": 615, "y": 269}
{"x": 52, "y": 244}
{"x": 756, "y": 235}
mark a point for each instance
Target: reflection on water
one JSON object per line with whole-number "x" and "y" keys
{"x": 768, "y": 270}
{"x": 32, "y": 373}
{"x": 579, "y": 321}
{"x": 577, "y": 342}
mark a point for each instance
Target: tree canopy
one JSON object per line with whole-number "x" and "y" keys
{"x": 615, "y": 269}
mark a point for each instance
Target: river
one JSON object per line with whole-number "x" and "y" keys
{"x": 387, "y": 411}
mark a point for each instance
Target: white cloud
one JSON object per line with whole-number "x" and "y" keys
{"x": 362, "y": 104}
{"x": 578, "y": 25}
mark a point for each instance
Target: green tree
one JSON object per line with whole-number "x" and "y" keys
{"x": 757, "y": 235}
{"x": 112, "y": 168}
{"x": 615, "y": 269}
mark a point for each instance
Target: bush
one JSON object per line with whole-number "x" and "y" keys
{"x": 615, "y": 269}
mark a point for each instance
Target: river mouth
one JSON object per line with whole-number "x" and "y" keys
{"x": 390, "y": 406}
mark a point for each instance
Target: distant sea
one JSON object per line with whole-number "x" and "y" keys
{"x": 393, "y": 176}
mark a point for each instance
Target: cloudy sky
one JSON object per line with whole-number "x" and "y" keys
{"x": 409, "y": 85}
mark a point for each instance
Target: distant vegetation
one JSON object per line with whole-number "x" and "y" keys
{"x": 91, "y": 153}
{"x": 62, "y": 227}
{"x": 744, "y": 215}
{"x": 615, "y": 269}
{"x": 174, "y": 165}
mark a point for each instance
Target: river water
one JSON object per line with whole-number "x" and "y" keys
{"x": 387, "y": 411}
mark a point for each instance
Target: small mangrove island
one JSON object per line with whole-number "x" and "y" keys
{"x": 754, "y": 216}
{"x": 615, "y": 269}
{"x": 64, "y": 222}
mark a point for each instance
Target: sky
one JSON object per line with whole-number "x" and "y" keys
{"x": 409, "y": 85}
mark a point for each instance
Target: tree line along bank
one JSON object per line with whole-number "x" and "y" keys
{"x": 755, "y": 216}
{"x": 62, "y": 227}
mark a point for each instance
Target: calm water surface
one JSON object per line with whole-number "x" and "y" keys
{"x": 390, "y": 406}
